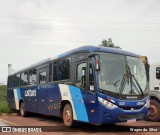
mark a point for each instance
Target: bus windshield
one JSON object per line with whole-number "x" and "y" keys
{"x": 122, "y": 74}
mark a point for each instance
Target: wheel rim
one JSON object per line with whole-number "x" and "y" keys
{"x": 67, "y": 116}
{"x": 153, "y": 112}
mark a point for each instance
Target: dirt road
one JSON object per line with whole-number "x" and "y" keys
{"x": 54, "y": 126}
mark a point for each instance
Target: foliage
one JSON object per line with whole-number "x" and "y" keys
{"x": 4, "y": 108}
{"x": 108, "y": 43}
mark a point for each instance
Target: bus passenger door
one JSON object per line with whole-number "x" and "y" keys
{"x": 92, "y": 98}
{"x": 42, "y": 90}
{"x": 85, "y": 100}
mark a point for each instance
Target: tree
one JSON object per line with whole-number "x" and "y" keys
{"x": 108, "y": 43}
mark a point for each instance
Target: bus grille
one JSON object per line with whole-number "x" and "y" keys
{"x": 131, "y": 116}
{"x": 129, "y": 108}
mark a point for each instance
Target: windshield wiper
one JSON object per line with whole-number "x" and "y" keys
{"x": 138, "y": 84}
{"x": 116, "y": 82}
{"x": 127, "y": 77}
{"x": 122, "y": 85}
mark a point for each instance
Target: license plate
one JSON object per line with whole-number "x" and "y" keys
{"x": 131, "y": 120}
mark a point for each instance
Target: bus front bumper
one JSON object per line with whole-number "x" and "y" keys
{"x": 119, "y": 115}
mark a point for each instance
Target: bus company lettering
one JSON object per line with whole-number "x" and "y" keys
{"x": 30, "y": 93}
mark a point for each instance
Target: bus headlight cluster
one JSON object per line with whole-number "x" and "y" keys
{"x": 106, "y": 103}
{"x": 147, "y": 103}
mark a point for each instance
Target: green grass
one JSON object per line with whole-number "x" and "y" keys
{"x": 4, "y": 108}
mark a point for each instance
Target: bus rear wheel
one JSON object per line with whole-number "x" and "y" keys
{"x": 23, "y": 113}
{"x": 154, "y": 114}
{"x": 68, "y": 116}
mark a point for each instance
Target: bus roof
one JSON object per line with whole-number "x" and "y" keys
{"x": 98, "y": 48}
{"x": 89, "y": 49}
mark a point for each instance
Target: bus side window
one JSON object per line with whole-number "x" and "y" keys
{"x": 24, "y": 79}
{"x": 32, "y": 77}
{"x": 10, "y": 81}
{"x": 81, "y": 75}
{"x": 91, "y": 78}
{"x": 65, "y": 69}
{"x": 57, "y": 71}
{"x": 42, "y": 77}
{"x": 50, "y": 72}
{"x": 158, "y": 72}
{"x": 61, "y": 69}
{"x": 16, "y": 80}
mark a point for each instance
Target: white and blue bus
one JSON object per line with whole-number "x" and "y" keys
{"x": 90, "y": 84}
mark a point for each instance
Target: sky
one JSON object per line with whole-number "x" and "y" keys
{"x": 33, "y": 30}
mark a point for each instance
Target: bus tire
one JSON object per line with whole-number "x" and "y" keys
{"x": 23, "y": 113}
{"x": 154, "y": 111}
{"x": 68, "y": 116}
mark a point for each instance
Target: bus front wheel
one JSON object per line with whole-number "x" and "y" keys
{"x": 154, "y": 114}
{"x": 23, "y": 113}
{"x": 68, "y": 116}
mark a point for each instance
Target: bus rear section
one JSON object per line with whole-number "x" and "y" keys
{"x": 89, "y": 84}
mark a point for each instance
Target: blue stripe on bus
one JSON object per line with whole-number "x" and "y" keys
{"x": 80, "y": 108}
{"x": 73, "y": 99}
{"x": 19, "y": 94}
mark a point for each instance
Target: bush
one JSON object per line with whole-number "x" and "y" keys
{"x": 4, "y": 108}
{"x": 3, "y": 93}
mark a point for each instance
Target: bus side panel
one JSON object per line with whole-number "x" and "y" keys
{"x": 83, "y": 109}
{"x": 92, "y": 107}
{"x": 79, "y": 97}
{"x": 10, "y": 97}
{"x": 14, "y": 96}
{"x": 25, "y": 99}
{"x": 54, "y": 100}
{"x": 31, "y": 100}
{"x": 42, "y": 99}
{"x": 86, "y": 106}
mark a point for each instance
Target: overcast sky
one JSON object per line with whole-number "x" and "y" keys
{"x": 33, "y": 30}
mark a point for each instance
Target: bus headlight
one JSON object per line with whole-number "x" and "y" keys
{"x": 106, "y": 103}
{"x": 147, "y": 103}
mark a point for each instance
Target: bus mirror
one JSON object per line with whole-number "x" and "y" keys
{"x": 97, "y": 62}
{"x": 83, "y": 71}
{"x": 97, "y": 58}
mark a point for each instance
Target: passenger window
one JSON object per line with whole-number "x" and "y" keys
{"x": 158, "y": 72}
{"x": 61, "y": 70}
{"x": 16, "y": 80}
{"x": 57, "y": 71}
{"x": 81, "y": 75}
{"x": 65, "y": 69}
{"x": 91, "y": 78}
{"x": 42, "y": 77}
{"x": 50, "y": 72}
{"x": 32, "y": 77}
{"x": 24, "y": 79}
{"x": 10, "y": 81}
